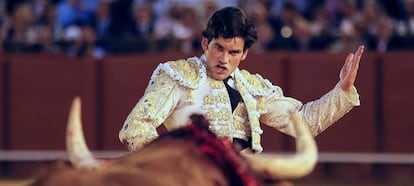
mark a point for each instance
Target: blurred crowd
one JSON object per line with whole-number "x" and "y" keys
{"x": 110, "y": 27}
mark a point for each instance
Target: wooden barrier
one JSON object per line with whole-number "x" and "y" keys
{"x": 36, "y": 92}
{"x": 313, "y": 74}
{"x": 41, "y": 91}
{"x": 3, "y": 112}
{"x": 398, "y": 101}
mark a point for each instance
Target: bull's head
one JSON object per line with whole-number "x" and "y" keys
{"x": 263, "y": 166}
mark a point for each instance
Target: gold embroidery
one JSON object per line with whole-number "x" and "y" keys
{"x": 154, "y": 97}
{"x": 223, "y": 98}
{"x": 240, "y": 121}
{"x": 216, "y": 84}
{"x": 261, "y": 106}
{"x": 255, "y": 84}
{"x": 221, "y": 115}
{"x": 221, "y": 131}
{"x": 208, "y": 99}
{"x": 186, "y": 70}
{"x": 217, "y": 109}
{"x": 211, "y": 99}
{"x": 246, "y": 89}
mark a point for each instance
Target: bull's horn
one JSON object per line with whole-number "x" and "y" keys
{"x": 275, "y": 167}
{"x": 79, "y": 154}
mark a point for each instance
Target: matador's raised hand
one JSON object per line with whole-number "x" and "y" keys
{"x": 349, "y": 70}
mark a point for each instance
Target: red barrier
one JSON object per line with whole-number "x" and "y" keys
{"x": 40, "y": 88}
{"x": 398, "y": 100}
{"x": 313, "y": 74}
{"x": 2, "y": 105}
{"x": 41, "y": 91}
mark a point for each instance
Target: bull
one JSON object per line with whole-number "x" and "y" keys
{"x": 191, "y": 155}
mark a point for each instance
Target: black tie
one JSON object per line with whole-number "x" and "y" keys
{"x": 234, "y": 95}
{"x": 235, "y": 98}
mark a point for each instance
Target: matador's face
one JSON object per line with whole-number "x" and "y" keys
{"x": 223, "y": 56}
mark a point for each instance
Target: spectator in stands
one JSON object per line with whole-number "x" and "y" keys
{"x": 82, "y": 40}
{"x": 349, "y": 38}
{"x": 409, "y": 24}
{"x": 107, "y": 29}
{"x": 259, "y": 15}
{"x": 321, "y": 29}
{"x": 45, "y": 42}
{"x": 378, "y": 30}
{"x": 277, "y": 6}
{"x": 171, "y": 27}
{"x": 50, "y": 37}
{"x": 370, "y": 14}
{"x": 138, "y": 30}
{"x": 142, "y": 22}
{"x": 69, "y": 12}
{"x": 48, "y": 18}
{"x": 409, "y": 4}
{"x": 302, "y": 34}
{"x": 382, "y": 38}
{"x": 179, "y": 29}
{"x": 4, "y": 25}
{"x": 185, "y": 30}
{"x": 209, "y": 8}
{"x": 163, "y": 29}
{"x": 283, "y": 27}
{"x": 39, "y": 8}
{"x": 20, "y": 33}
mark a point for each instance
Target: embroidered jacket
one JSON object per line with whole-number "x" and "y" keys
{"x": 180, "y": 88}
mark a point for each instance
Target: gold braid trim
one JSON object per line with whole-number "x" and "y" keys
{"x": 256, "y": 84}
{"x": 189, "y": 73}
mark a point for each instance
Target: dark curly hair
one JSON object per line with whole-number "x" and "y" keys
{"x": 231, "y": 22}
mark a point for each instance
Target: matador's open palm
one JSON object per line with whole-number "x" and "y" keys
{"x": 349, "y": 70}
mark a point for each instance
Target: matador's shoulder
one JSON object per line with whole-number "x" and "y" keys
{"x": 256, "y": 84}
{"x": 189, "y": 72}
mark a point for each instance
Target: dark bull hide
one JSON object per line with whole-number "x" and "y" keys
{"x": 191, "y": 155}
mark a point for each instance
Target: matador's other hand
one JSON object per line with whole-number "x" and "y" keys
{"x": 349, "y": 70}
